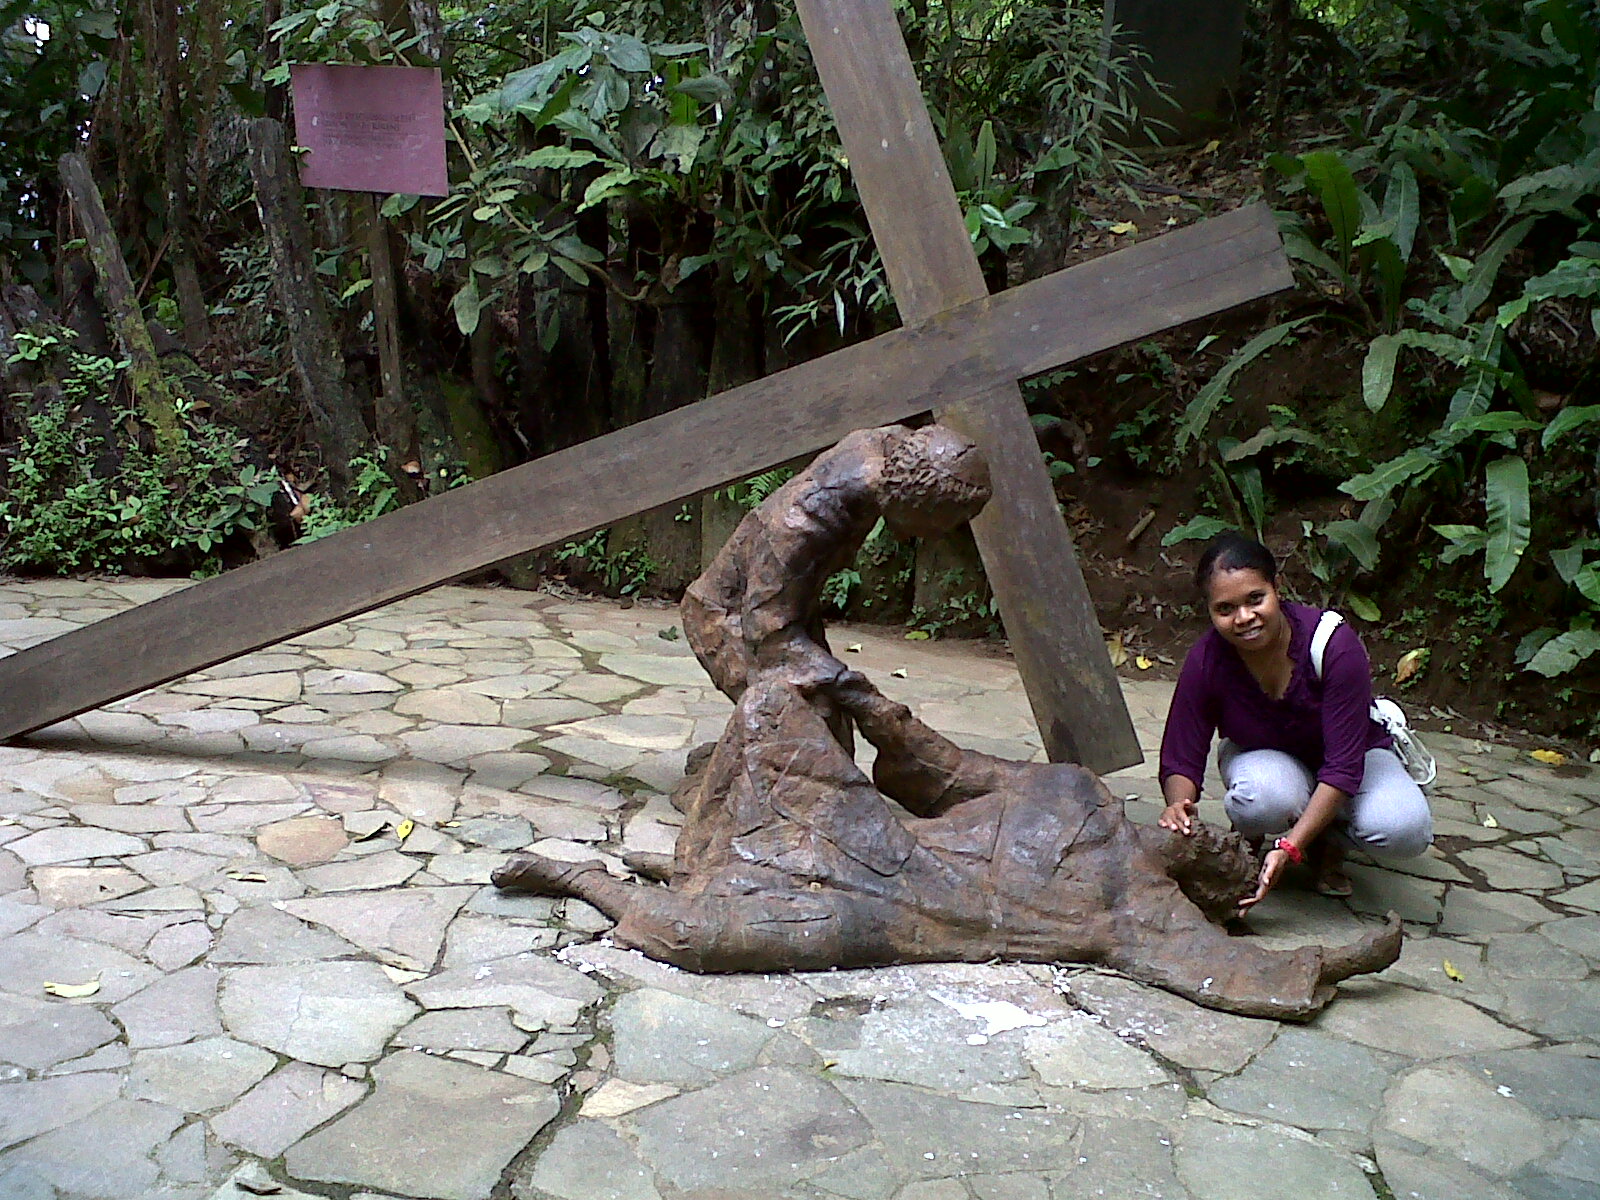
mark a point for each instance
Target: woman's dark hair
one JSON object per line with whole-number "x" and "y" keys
{"x": 1234, "y": 552}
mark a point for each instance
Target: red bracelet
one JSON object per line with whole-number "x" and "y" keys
{"x": 1296, "y": 855}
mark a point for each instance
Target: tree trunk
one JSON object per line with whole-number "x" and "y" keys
{"x": 396, "y": 416}
{"x": 318, "y": 357}
{"x": 175, "y": 168}
{"x": 150, "y": 389}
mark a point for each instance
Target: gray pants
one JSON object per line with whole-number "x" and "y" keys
{"x": 1267, "y": 790}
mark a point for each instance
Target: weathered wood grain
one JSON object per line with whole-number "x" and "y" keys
{"x": 1122, "y": 297}
{"x": 917, "y": 224}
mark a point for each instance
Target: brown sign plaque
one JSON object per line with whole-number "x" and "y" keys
{"x": 370, "y": 129}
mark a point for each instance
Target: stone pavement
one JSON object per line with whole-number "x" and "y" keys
{"x": 274, "y": 873}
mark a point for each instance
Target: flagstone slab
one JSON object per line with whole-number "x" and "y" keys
{"x": 1415, "y": 1024}
{"x": 303, "y": 841}
{"x": 541, "y": 991}
{"x": 1467, "y": 911}
{"x": 383, "y": 869}
{"x": 658, "y": 1037}
{"x": 175, "y": 1008}
{"x": 329, "y": 1013}
{"x": 457, "y": 743}
{"x": 179, "y": 945}
{"x": 753, "y": 1134}
{"x": 1176, "y": 1029}
{"x": 30, "y": 1108}
{"x": 343, "y": 682}
{"x": 450, "y": 706}
{"x": 431, "y": 1128}
{"x": 69, "y": 844}
{"x": 28, "y": 959}
{"x": 73, "y": 887}
{"x": 273, "y": 685}
{"x": 666, "y": 670}
{"x": 107, "y": 1152}
{"x": 38, "y": 1034}
{"x": 1452, "y": 1109}
{"x": 1222, "y": 1162}
{"x": 198, "y": 1076}
{"x": 284, "y": 1107}
{"x": 485, "y": 1029}
{"x": 1076, "y": 1051}
{"x": 406, "y": 925}
{"x": 134, "y": 818}
{"x": 587, "y": 1160}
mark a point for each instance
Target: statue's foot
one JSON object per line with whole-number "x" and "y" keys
{"x": 544, "y": 876}
{"x": 1373, "y": 952}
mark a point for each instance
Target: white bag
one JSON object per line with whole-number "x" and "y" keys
{"x": 1414, "y": 756}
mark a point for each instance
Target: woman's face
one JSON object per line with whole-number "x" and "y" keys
{"x": 1244, "y": 609}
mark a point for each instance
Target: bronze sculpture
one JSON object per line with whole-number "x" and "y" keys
{"x": 791, "y": 859}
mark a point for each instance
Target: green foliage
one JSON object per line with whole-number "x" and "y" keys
{"x": 70, "y": 502}
{"x": 621, "y": 572}
{"x": 372, "y": 494}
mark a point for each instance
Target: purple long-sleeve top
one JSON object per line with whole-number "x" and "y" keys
{"x": 1323, "y": 723}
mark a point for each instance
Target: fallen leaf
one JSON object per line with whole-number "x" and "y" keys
{"x": 74, "y": 991}
{"x": 1450, "y": 970}
{"x": 1410, "y": 663}
{"x": 1115, "y": 648}
{"x": 1144, "y": 663}
{"x": 669, "y": 634}
{"x": 246, "y": 876}
{"x": 898, "y": 673}
{"x": 1212, "y": 146}
{"x": 4, "y": 821}
{"x": 1489, "y": 822}
{"x": 1550, "y": 758}
{"x": 1124, "y": 227}
{"x": 451, "y": 824}
{"x": 854, "y": 647}
{"x": 403, "y": 830}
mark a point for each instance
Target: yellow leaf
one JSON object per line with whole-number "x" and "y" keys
{"x": 1118, "y": 652}
{"x": 898, "y": 673}
{"x": 1489, "y": 822}
{"x": 854, "y": 647}
{"x": 1144, "y": 663}
{"x": 1450, "y": 970}
{"x": 1551, "y": 758}
{"x": 246, "y": 876}
{"x": 1124, "y": 227}
{"x": 1410, "y": 663}
{"x": 1212, "y": 146}
{"x": 74, "y": 991}
{"x": 403, "y": 830}
{"x": 917, "y": 635}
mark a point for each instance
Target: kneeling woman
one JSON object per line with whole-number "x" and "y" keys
{"x": 1301, "y": 760}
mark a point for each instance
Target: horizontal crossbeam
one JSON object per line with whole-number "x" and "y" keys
{"x": 1191, "y": 273}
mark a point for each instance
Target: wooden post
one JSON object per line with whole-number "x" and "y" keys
{"x": 150, "y": 388}
{"x": 397, "y": 424}
{"x": 917, "y": 224}
{"x": 313, "y": 345}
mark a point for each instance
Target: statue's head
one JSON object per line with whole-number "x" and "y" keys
{"x": 933, "y": 480}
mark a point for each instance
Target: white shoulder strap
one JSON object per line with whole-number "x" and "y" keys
{"x": 1326, "y": 624}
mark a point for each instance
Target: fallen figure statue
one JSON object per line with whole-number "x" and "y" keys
{"x": 792, "y": 859}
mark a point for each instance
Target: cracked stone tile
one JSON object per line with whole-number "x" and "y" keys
{"x": 1449, "y": 1108}
{"x": 355, "y": 749}
{"x": 179, "y": 945}
{"x": 507, "y": 769}
{"x": 603, "y": 754}
{"x": 406, "y": 927}
{"x": 329, "y": 1013}
{"x": 108, "y": 1152}
{"x": 1076, "y": 1051}
{"x": 431, "y": 1127}
{"x": 450, "y": 706}
{"x": 281, "y": 686}
{"x": 1176, "y": 1029}
{"x": 541, "y": 712}
{"x": 1507, "y": 871}
{"x": 129, "y": 817}
{"x": 258, "y": 936}
{"x": 343, "y": 682}
{"x": 1472, "y": 912}
{"x": 243, "y": 818}
{"x": 284, "y": 1107}
{"x": 541, "y": 991}
{"x": 475, "y": 939}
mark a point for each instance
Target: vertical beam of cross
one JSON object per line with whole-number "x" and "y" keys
{"x": 917, "y": 224}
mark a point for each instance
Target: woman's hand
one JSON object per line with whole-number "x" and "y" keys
{"x": 1271, "y": 871}
{"x": 1178, "y": 817}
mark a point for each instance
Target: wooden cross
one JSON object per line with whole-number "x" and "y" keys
{"x": 960, "y": 353}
